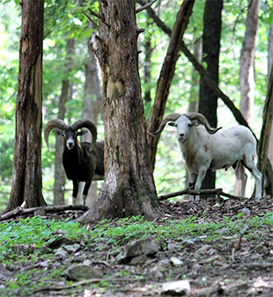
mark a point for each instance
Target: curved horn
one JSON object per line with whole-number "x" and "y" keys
{"x": 51, "y": 125}
{"x": 89, "y": 125}
{"x": 169, "y": 118}
{"x": 201, "y": 119}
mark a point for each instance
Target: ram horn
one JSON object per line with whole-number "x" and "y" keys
{"x": 51, "y": 125}
{"x": 89, "y": 125}
{"x": 169, "y": 118}
{"x": 201, "y": 119}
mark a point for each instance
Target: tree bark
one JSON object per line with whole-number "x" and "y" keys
{"x": 129, "y": 186}
{"x": 247, "y": 82}
{"x": 27, "y": 175}
{"x": 59, "y": 174}
{"x": 266, "y": 129}
{"x": 167, "y": 73}
{"x": 270, "y": 63}
{"x": 211, "y": 51}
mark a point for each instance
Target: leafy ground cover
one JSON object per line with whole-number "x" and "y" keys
{"x": 217, "y": 249}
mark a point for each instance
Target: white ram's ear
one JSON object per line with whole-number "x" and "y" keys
{"x": 59, "y": 132}
{"x": 194, "y": 123}
{"x": 82, "y": 132}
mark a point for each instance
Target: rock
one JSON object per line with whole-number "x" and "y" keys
{"x": 175, "y": 261}
{"x": 72, "y": 248}
{"x": 147, "y": 246}
{"x": 81, "y": 272}
{"x": 61, "y": 253}
{"x": 176, "y": 288}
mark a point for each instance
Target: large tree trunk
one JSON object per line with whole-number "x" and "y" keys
{"x": 59, "y": 174}
{"x": 211, "y": 50}
{"x": 167, "y": 73}
{"x": 129, "y": 186}
{"x": 27, "y": 175}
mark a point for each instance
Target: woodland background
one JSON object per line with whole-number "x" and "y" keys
{"x": 71, "y": 85}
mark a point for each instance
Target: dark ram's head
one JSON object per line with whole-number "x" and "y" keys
{"x": 70, "y": 133}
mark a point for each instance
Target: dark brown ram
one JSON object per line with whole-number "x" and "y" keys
{"x": 83, "y": 162}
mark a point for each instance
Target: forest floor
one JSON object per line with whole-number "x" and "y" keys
{"x": 209, "y": 263}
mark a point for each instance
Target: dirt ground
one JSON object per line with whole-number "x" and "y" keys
{"x": 224, "y": 266}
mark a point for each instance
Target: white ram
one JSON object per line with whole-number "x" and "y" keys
{"x": 204, "y": 149}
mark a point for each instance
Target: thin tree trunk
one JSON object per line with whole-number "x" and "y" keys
{"x": 266, "y": 129}
{"x": 128, "y": 188}
{"x": 27, "y": 175}
{"x": 211, "y": 51}
{"x": 92, "y": 103}
{"x": 247, "y": 82}
{"x": 59, "y": 175}
{"x": 167, "y": 73}
{"x": 270, "y": 63}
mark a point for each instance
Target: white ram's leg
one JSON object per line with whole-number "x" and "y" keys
{"x": 258, "y": 183}
{"x": 84, "y": 199}
{"x": 200, "y": 177}
{"x": 250, "y": 165}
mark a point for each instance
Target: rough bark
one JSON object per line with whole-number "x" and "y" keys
{"x": 266, "y": 129}
{"x": 27, "y": 175}
{"x": 167, "y": 73}
{"x": 147, "y": 67}
{"x": 247, "y": 82}
{"x": 270, "y": 63}
{"x": 59, "y": 175}
{"x": 210, "y": 56}
{"x": 129, "y": 186}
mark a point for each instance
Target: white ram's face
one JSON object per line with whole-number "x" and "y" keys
{"x": 183, "y": 125}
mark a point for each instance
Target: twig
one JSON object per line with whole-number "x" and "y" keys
{"x": 55, "y": 208}
{"x": 99, "y": 17}
{"x": 219, "y": 192}
{"x": 145, "y": 6}
{"x": 81, "y": 283}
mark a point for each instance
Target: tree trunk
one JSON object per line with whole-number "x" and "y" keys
{"x": 129, "y": 186}
{"x": 167, "y": 73}
{"x": 59, "y": 174}
{"x": 247, "y": 82}
{"x": 211, "y": 50}
{"x": 270, "y": 63}
{"x": 266, "y": 129}
{"x": 27, "y": 175}
{"x": 92, "y": 106}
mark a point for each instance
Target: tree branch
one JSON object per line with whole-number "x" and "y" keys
{"x": 219, "y": 192}
{"x": 145, "y": 6}
{"x": 56, "y": 208}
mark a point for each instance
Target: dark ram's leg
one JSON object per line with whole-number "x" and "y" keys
{"x": 75, "y": 191}
{"x": 85, "y": 191}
